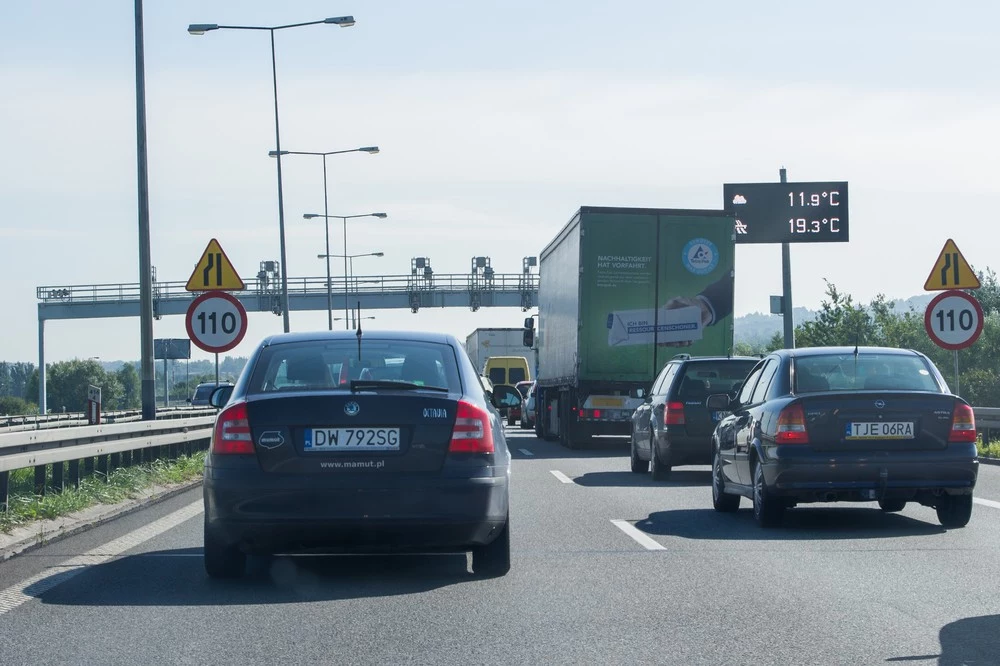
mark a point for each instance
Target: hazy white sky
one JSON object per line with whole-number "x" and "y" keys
{"x": 496, "y": 122}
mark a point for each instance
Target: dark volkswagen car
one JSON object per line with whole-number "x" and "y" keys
{"x": 831, "y": 424}
{"x": 673, "y": 426}
{"x": 378, "y": 443}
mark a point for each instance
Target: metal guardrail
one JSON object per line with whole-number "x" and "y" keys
{"x": 75, "y": 419}
{"x": 102, "y": 447}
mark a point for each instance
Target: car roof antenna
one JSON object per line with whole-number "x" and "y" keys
{"x": 358, "y": 332}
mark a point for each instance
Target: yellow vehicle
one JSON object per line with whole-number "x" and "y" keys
{"x": 509, "y": 371}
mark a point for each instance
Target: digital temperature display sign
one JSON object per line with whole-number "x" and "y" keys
{"x": 788, "y": 212}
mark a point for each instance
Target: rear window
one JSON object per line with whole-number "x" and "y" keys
{"x": 203, "y": 392}
{"x": 498, "y": 376}
{"x": 702, "y": 379}
{"x": 320, "y": 366}
{"x": 516, "y": 375}
{"x": 871, "y": 371}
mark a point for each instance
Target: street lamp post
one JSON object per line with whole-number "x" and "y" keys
{"x": 371, "y": 150}
{"x": 201, "y": 29}
{"x": 345, "y": 218}
{"x": 350, "y": 258}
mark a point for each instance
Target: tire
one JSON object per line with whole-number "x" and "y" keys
{"x": 723, "y": 502}
{"x": 659, "y": 469}
{"x": 510, "y": 419}
{"x": 767, "y": 509}
{"x": 639, "y": 466}
{"x": 538, "y": 430}
{"x": 493, "y": 559}
{"x": 892, "y": 505}
{"x": 954, "y": 510}
{"x": 223, "y": 560}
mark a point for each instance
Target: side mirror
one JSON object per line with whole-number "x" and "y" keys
{"x": 528, "y": 337}
{"x": 719, "y": 401}
{"x": 220, "y": 396}
{"x": 648, "y": 399}
{"x": 505, "y": 396}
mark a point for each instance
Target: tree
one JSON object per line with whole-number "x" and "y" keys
{"x": 14, "y": 406}
{"x": 131, "y": 384}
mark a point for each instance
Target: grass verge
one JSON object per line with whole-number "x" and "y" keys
{"x": 121, "y": 484}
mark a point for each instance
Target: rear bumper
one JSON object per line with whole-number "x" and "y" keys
{"x": 873, "y": 475}
{"x": 684, "y": 449}
{"x": 268, "y": 513}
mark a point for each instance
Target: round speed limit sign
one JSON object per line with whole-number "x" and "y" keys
{"x": 954, "y": 320}
{"x": 216, "y": 321}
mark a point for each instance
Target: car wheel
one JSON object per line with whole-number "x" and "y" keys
{"x": 510, "y": 420}
{"x": 639, "y": 466}
{"x": 222, "y": 560}
{"x": 659, "y": 469}
{"x": 493, "y": 559}
{"x": 954, "y": 510}
{"x": 892, "y": 505}
{"x": 767, "y": 509}
{"x": 723, "y": 502}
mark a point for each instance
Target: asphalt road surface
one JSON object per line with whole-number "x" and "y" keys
{"x": 607, "y": 568}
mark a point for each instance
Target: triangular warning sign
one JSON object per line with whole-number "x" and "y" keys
{"x": 214, "y": 272}
{"x": 951, "y": 271}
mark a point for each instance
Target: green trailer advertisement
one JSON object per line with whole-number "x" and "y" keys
{"x": 652, "y": 285}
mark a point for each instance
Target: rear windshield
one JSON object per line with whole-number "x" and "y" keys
{"x": 498, "y": 376}
{"x": 319, "y": 366}
{"x": 872, "y": 371}
{"x": 702, "y": 379}
{"x": 203, "y": 392}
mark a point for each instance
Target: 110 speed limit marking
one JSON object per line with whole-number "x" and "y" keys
{"x": 216, "y": 321}
{"x": 954, "y": 320}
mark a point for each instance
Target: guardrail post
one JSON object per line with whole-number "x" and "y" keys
{"x": 102, "y": 466}
{"x": 126, "y": 458}
{"x": 116, "y": 461}
{"x": 986, "y": 437}
{"x": 74, "y": 473}
{"x": 40, "y": 480}
{"x": 4, "y": 490}
{"x": 57, "y": 477}
{"x": 88, "y": 466}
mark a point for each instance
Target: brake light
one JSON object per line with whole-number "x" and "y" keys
{"x": 792, "y": 426}
{"x": 597, "y": 413}
{"x": 472, "y": 432}
{"x": 963, "y": 424}
{"x": 673, "y": 414}
{"x": 232, "y": 432}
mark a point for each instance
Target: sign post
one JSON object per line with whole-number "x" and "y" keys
{"x": 94, "y": 405}
{"x": 951, "y": 272}
{"x": 954, "y": 320}
{"x": 787, "y": 213}
{"x": 216, "y": 322}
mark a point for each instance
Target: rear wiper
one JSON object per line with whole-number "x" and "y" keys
{"x": 362, "y": 384}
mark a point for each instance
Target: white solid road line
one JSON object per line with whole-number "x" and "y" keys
{"x": 526, "y": 452}
{"x": 40, "y": 583}
{"x": 562, "y": 477}
{"x": 639, "y": 536}
{"x": 989, "y": 503}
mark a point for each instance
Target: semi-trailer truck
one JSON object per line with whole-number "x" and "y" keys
{"x": 621, "y": 292}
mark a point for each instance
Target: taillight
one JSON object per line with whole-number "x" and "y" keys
{"x": 232, "y": 432}
{"x": 673, "y": 414}
{"x": 963, "y": 424}
{"x": 792, "y": 426}
{"x": 597, "y": 413}
{"x": 472, "y": 432}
